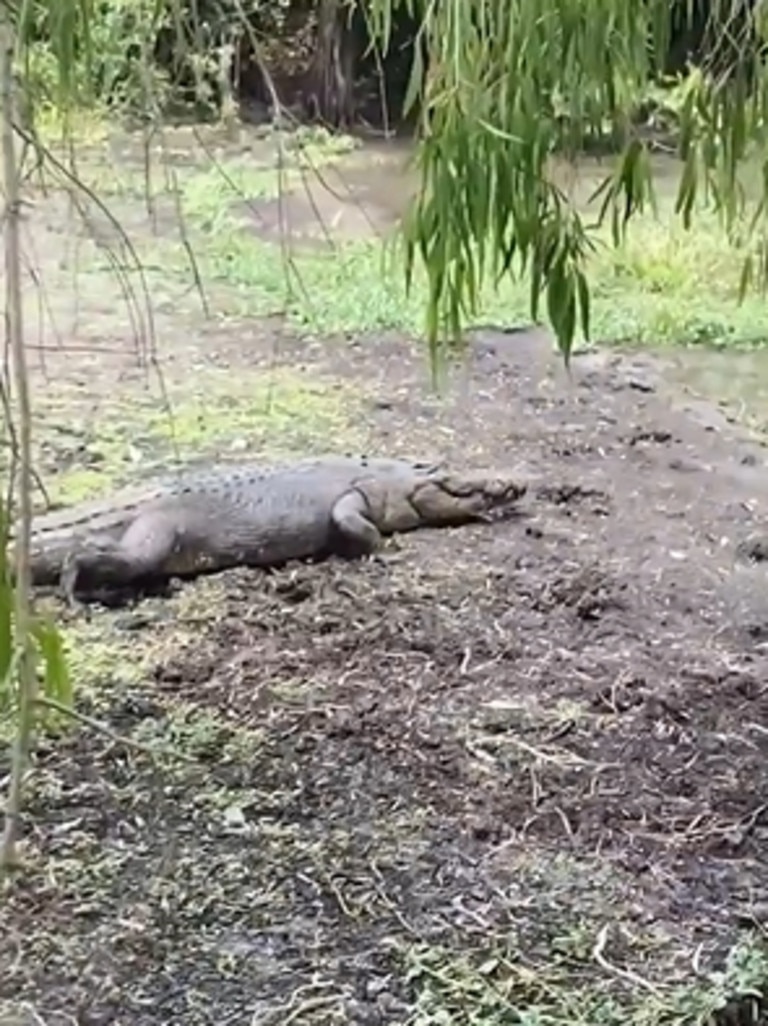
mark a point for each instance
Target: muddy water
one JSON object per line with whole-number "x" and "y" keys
{"x": 365, "y": 193}
{"x": 379, "y": 180}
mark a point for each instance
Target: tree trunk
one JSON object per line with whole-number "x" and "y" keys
{"x": 330, "y": 79}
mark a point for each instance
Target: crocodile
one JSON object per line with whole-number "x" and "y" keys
{"x": 256, "y": 515}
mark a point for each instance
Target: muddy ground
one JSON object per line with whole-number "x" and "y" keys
{"x": 508, "y": 773}
{"x": 495, "y": 742}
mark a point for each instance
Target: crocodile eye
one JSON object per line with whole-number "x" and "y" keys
{"x": 458, "y": 488}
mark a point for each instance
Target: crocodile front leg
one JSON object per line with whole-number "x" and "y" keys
{"x": 351, "y": 516}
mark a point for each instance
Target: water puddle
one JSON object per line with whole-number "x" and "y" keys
{"x": 360, "y": 195}
{"x": 365, "y": 193}
{"x": 737, "y": 380}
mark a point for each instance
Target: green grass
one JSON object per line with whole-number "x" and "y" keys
{"x": 666, "y": 285}
{"x": 275, "y": 412}
{"x": 663, "y": 286}
{"x": 209, "y": 193}
{"x": 505, "y": 985}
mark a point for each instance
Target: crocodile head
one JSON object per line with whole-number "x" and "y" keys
{"x": 439, "y": 497}
{"x": 453, "y": 497}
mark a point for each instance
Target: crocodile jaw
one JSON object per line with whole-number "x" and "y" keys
{"x": 450, "y": 499}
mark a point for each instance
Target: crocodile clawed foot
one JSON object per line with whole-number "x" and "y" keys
{"x": 386, "y": 556}
{"x": 68, "y": 582}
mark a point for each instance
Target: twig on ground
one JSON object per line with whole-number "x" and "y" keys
{"x": 624, "y": 974}
{"x": 295, "y": 1010}
{"x": 102, "y": 728}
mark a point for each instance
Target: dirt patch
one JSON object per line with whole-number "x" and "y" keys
{"x": 542, "y": 743}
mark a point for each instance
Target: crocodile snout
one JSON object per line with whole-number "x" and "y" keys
{"x": 504, "y": 490}
{"x": 488, "y": 488}
{"x": 461, "y": 498}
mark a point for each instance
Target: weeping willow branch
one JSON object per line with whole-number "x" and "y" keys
{"x": 24, "y": 661}
{"x": 503, "y": 86}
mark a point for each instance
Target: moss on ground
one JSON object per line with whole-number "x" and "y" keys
{"x": 259, "y": 413}
{"x": 276, "y": 411}
{"x": 497, "y": 985}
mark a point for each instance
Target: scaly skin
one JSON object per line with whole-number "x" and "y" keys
{"x": 56, "y": 534}
{"x": 255, "y": 515}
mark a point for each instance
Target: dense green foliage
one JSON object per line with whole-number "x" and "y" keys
{"x": 508, "y": 85}
{"x": 146, "y": 57}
